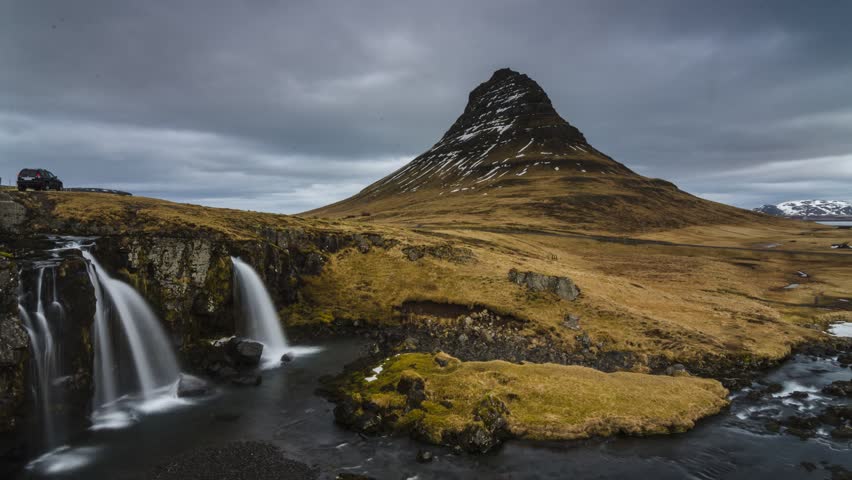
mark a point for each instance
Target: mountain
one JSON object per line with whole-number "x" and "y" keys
{"x": 511, "y": 160}
{"x": 809, "y": 209}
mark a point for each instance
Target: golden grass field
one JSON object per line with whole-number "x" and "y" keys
{"x": 722, "y": 293}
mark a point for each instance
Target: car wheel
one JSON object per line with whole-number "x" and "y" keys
{"x": 22, "y": 188}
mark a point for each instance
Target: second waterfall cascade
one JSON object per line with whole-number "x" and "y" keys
{"x": 262, "y": 322}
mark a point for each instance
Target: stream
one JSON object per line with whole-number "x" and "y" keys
{"x": 285, "y": 411}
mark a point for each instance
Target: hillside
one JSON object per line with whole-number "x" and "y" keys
{"x": 511, "y": 160}
{"x": 719, "y": 294}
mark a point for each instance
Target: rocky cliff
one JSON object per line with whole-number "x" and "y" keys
{"x": 13, "y": 346}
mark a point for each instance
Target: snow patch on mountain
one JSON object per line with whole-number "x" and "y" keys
{"x": 809, "y": 208}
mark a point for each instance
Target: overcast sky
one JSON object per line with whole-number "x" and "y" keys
{"x": 286, "y": 106}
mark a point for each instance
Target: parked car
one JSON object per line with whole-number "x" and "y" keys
{"x": 38, "y": 179}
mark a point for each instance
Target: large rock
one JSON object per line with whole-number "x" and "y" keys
{"x": 412, "y": 385}
{"x": 489, "y": 427}
{"x": 190, "y": 386}
{"x": 563, "y": 287}
{"x": 840, "y": 388}
{"x": 244, "y": 351}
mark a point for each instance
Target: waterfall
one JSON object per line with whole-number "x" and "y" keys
{"x": 155, "y": 365}
{"x": 104, "y": 364}
{"x": 135, "y": 368}
{"x": 261, "y": 320}
{"x": 45, "y": 362}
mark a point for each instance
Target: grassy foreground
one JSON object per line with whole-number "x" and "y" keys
{"x": 531, "y": 401}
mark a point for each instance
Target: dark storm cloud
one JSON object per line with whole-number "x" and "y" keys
{"x": 285, "y": 106}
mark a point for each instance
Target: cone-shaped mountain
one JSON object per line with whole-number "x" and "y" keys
{"x": 511, "y": 160}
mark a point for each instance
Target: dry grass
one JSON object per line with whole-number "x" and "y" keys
{"x": 552, "y": 402}
{"x": 682, "y": 302}
{"x": 132, "y": 214}
{"x": 685, "y": 303}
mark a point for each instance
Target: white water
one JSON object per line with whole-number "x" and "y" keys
{"x": 45, "y": 360}
{"x": 262, "y": 323}
{"x": 154, "y": 363}
{"x": 105, "y": 388}
{"x": 63, "y": 459}
{"x": 261, "y": 320}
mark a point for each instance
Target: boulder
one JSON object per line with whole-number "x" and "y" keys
{"x": 808, "y": 422}
{"x": 477, "y": 439}
{"x": 369, "y": 422}
{"x": 244, "y": 351}
{"x": 412, "y": 385}
{"x": 836, "y": 415}
{"x": 190, "y": 386}
{"x": 563, "y": 287}
{"x": 489, "y": 427}
{"x": 774, "y": 388}
{"x": 346, "y": 411}
{"x": 840, "y": 388}
{"x": 287, "y": 357}
{"x": 424, "y": 456}
{"x": 802, "y": 426}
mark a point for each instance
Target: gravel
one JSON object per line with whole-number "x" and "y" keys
{"x": 233, "y": 460}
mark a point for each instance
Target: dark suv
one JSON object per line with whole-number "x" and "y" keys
{"x": 38, "y": 179}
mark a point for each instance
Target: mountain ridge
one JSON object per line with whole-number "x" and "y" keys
{"x": 808, "y": 209}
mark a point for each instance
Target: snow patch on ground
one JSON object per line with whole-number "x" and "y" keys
{"x": 375, "y": 377}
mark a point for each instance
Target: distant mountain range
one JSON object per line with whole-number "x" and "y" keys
{"x": 810, "y": 209}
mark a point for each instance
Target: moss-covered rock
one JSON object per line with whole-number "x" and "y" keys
{"x": 475, "y": 405}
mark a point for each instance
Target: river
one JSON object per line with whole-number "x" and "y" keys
{"x": 285, "y": 411}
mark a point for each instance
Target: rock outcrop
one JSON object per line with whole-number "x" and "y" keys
{"x": 13, "y": 348}
{"x": 12, "y": 214}
{"x": 563, "y": 287}
{"x": 189, "y": 280}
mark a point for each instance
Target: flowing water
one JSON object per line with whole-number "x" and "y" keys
{"x": 135, "y": 369}
{"x": 153, "y": 361}
{"x": 261, "y": 321}
{"x": 45, "y": 366}
{"x": 286, "y": 411}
